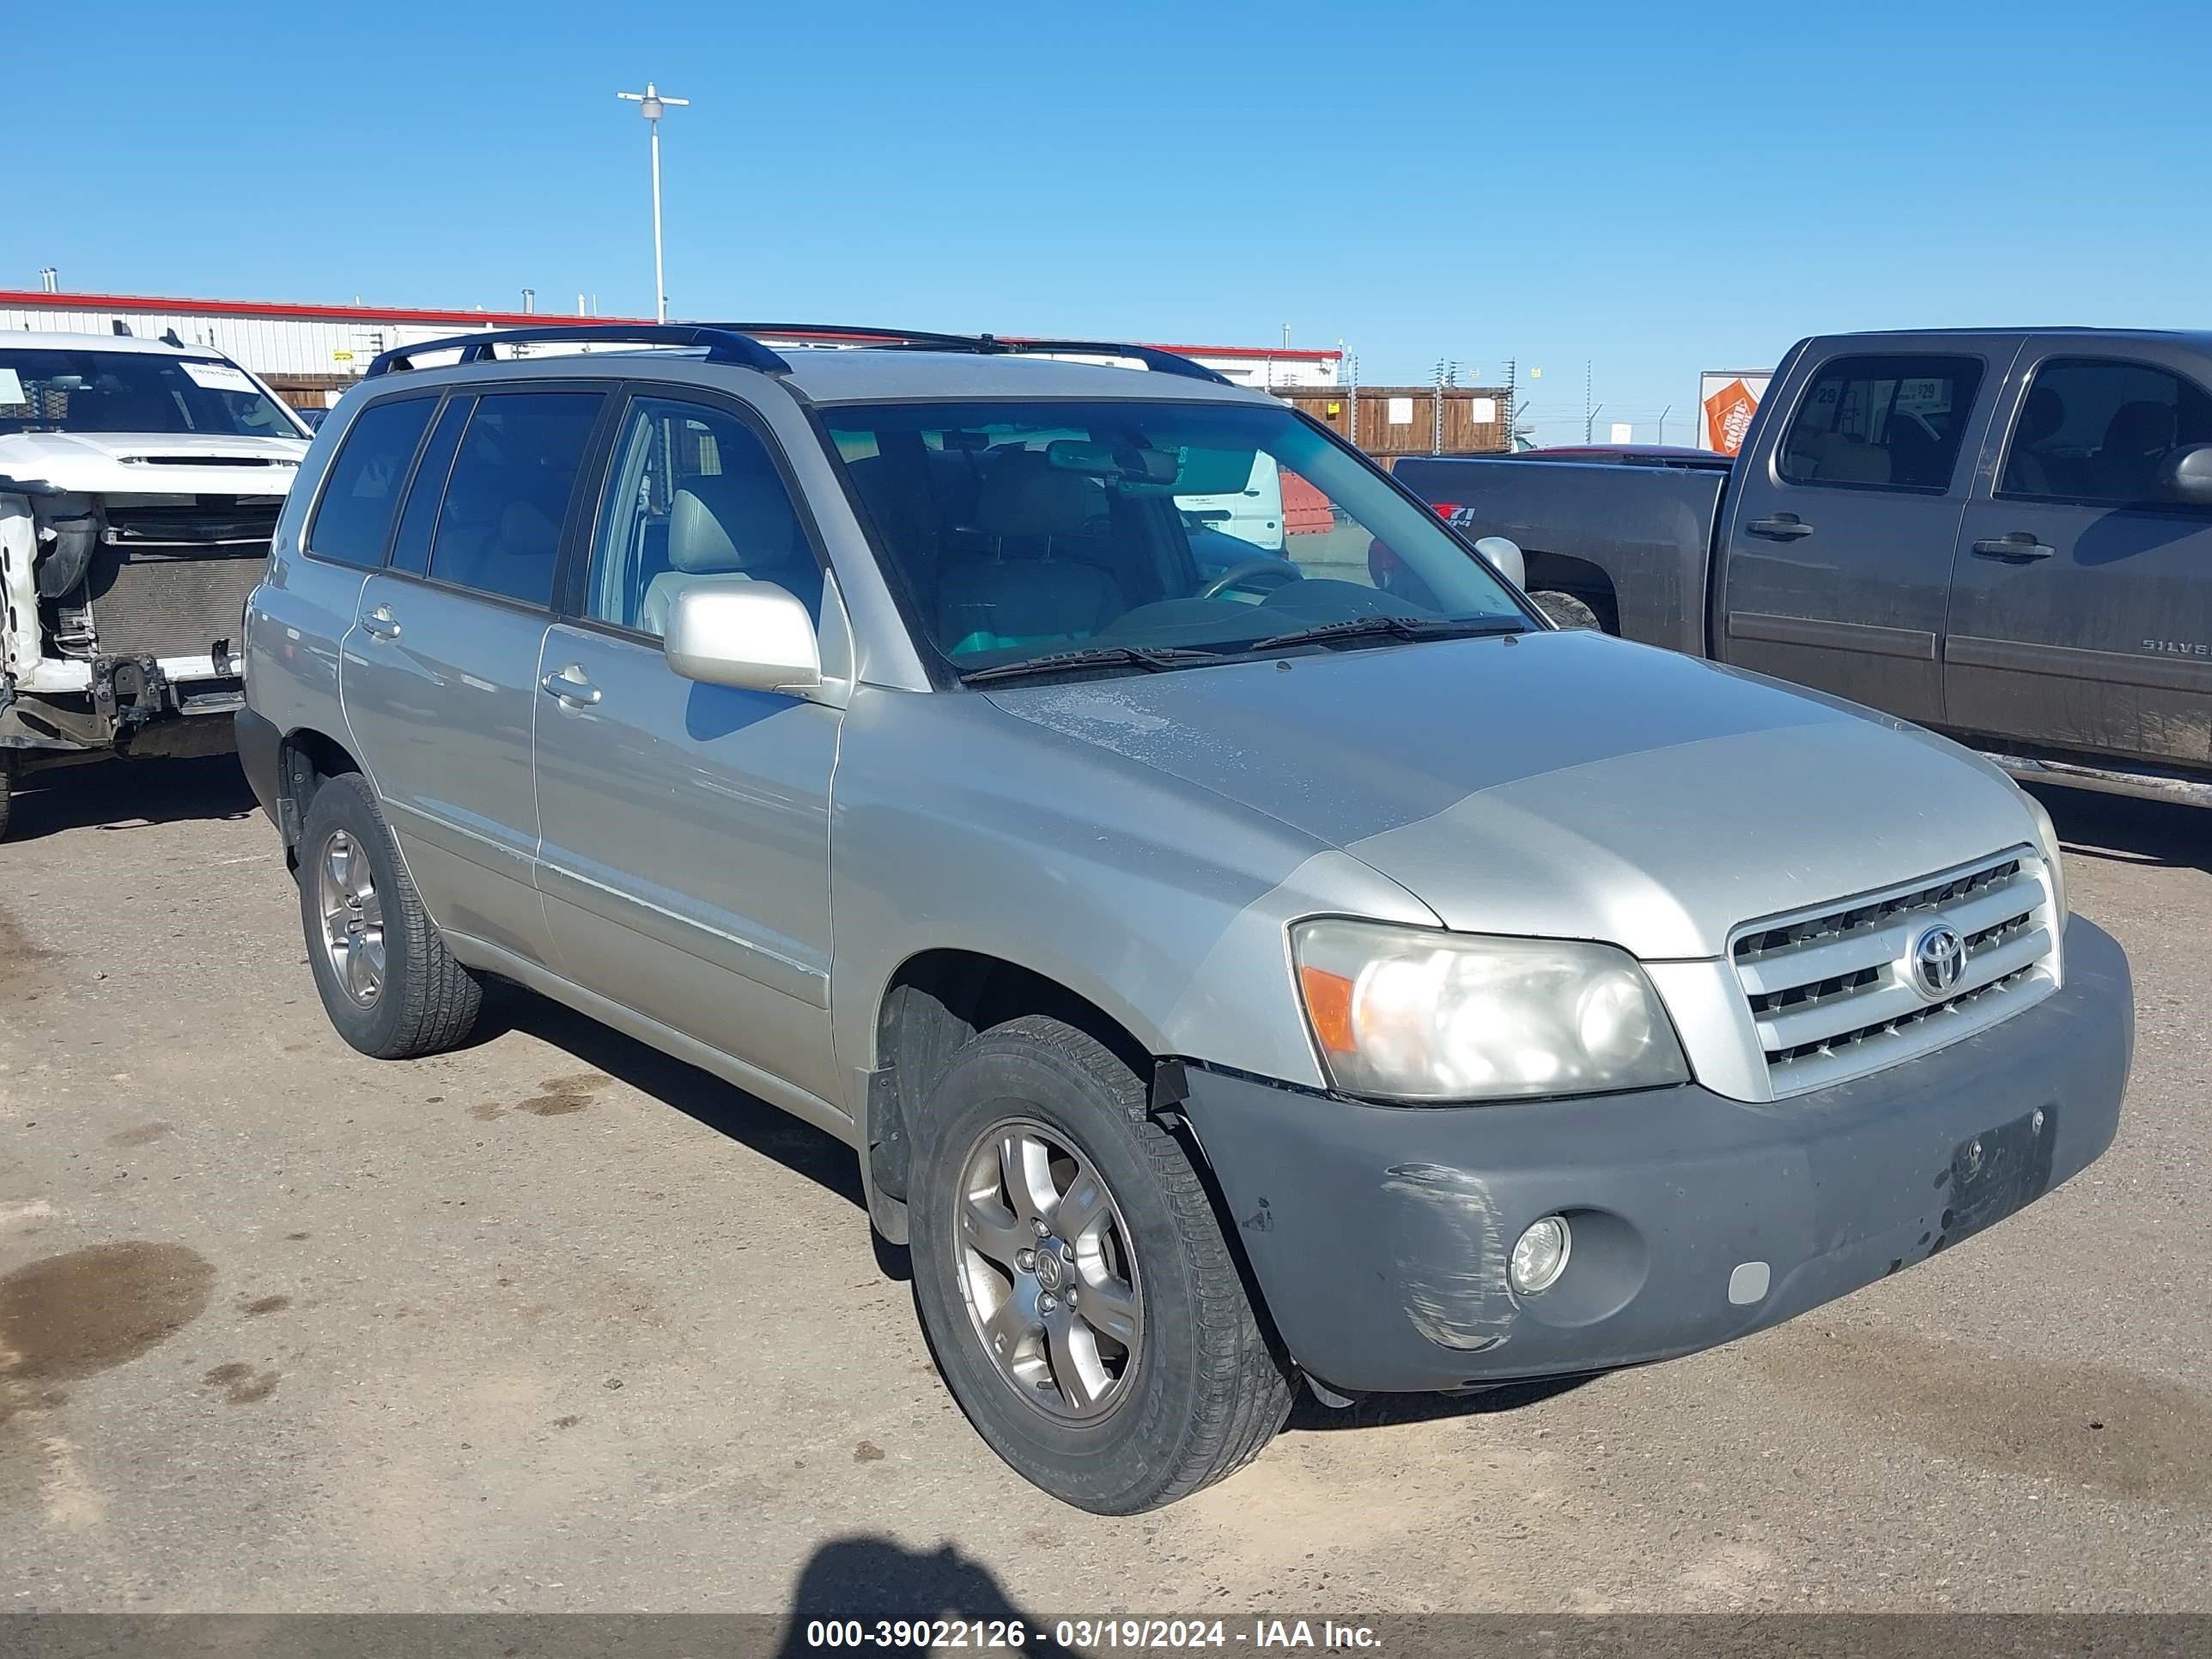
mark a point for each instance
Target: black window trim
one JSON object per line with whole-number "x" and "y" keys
{"x": 445, "y": 402}
{"x": 1997, "y": 493}
{"x": 406, "y": 481}
{"x": 591, "y": 455}
{"x": 571, "y": 593}
{"x": 1812, "y": 378}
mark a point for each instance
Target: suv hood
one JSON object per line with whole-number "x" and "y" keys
{"x": 152, "y": 463}
{"x": 1562, "y": 784}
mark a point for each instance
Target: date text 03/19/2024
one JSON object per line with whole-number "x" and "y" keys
{"x": 1324, "y": 1635}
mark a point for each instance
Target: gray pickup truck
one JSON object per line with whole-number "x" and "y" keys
{"x": 2005, "y": 534}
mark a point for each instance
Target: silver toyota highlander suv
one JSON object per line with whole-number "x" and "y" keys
{"x": 1233, "y": 966}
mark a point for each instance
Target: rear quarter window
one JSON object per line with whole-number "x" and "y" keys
{"x": 1886, "y": 423}
{"x": 353, "y": 519}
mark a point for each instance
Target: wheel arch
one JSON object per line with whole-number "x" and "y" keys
{"x": 938, "y": 999}
{"x": 1563, "y": 573}
{"x": 304, "y": 757}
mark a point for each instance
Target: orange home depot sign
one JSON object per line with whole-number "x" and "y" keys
{"x": 1729, "y": 400}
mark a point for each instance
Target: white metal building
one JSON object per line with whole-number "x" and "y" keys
{"x": 310, "y": 352}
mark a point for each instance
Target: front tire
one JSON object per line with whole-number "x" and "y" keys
{"x": 1073, "y": 1282}
{"x": 1567, "y": 611}
{"x": 387, "y": 982}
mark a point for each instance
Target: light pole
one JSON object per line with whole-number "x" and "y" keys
{"x": 651, "y": 104}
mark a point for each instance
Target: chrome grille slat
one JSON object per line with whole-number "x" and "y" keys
{"x": 1779, "y": 971}
{"x": 1893, "y": 998}
{"x": 1832, "y": 992}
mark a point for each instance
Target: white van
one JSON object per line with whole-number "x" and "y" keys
{"x": 1245, "y": 502}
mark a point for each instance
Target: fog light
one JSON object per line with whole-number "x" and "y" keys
{"x": 1541, "y": 1255}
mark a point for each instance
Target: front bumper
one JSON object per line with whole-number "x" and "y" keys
{"x": 260, "y": 746}
{"x": 1379, "y": 1235}
{"x": 129, "y": 706}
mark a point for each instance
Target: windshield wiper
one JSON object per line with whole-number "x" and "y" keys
{"x": 1153, "y": 659}
{"x": 1403, "y": 628}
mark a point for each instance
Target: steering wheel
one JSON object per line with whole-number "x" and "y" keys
{"x": 1280, "y": 573}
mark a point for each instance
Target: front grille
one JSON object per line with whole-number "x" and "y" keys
{"x": 1831, "y": 991}
{"x": 201, "y": 460}
{"x": 217, "y": 522}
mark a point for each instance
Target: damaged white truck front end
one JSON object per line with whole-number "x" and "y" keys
{"x": 139, "y": 487}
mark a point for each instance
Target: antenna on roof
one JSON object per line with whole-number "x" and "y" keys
{"x": 170, "y": 339}
{"x": 117, "y": 324}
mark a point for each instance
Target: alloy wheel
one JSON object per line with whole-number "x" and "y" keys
{"x": 1045, "y": 1269}
{"x": 353, "y": 917}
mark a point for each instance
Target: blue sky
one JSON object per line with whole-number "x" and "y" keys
{"x": 1654, "y": 188}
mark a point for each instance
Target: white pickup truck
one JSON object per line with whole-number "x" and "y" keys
{"x": 140, "y": 483}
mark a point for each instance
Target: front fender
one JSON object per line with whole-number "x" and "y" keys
{"x": 955, "y": 827}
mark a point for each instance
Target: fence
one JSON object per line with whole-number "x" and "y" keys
{"x": 1391, "y": 421}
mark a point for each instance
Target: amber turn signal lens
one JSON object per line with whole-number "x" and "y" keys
{"x": 1328, "y": 1005}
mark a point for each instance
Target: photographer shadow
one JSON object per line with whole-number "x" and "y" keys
{"x": 868, "y": 1579}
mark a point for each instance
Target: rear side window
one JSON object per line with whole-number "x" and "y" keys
{"x": 498, "y": 530}
{"x": 353, "y": 520}
{"x": 2097, "y": 431}
{"x": 1882, "y": 422}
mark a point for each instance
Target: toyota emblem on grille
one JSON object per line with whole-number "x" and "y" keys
{"x": 1939, "y": 959}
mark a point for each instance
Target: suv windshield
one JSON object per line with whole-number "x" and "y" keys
{"x": 94, "y": 391}
{"x": 1030, "y": 532}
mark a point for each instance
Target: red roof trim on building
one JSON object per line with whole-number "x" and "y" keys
{"x": 283, "y": 310}
{"x": 1279, "y": 353}
{"x": 39, "y": 299}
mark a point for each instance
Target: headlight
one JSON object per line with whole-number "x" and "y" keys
{"x": 1413, "y": 1014}
{"x": 2047, "y": 843}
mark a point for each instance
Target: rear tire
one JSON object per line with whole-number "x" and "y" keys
{"x": 1196, "y": 1392}
{"x": 387, "y": 982}
{"x": 7, "y": 794}
{"x": 1567, "y": 611}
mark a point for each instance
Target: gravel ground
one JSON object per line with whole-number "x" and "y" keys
{"x": 556, "y": 1324}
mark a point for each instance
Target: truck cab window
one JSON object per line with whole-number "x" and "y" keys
{"x": 1882, "y": 422}
{"x": 2097, "y": 431}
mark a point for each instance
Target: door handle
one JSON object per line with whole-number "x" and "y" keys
{"x": 571, "y": 687}
{"x": 2018, "y": 548}
{"x": 382, "y": 623}
{"x": 1783, "y": 527}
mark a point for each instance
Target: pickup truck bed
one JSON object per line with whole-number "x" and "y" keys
{"x": 1631, "y": 543}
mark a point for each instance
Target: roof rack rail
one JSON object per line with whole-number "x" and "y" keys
{"x": 739, "y": 343}
{"x": 724, "y": 345}
{"x": 1152, "y": 357}
{"x": 920, "y": 338}
{"x": 1159, "y": 361}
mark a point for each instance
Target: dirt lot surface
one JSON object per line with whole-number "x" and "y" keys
{"x": 556, "y": 1324}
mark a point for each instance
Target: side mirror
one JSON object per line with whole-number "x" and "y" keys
{"x": 749, "y": 635}
{"x": 2185, "y": 476}
{"x": 1505, "y": 554}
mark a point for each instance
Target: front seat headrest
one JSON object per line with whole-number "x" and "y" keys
{"x": 2140, "y": 428}
{"x": 720, "y": 523}
{"x": 1025, "y": 494}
